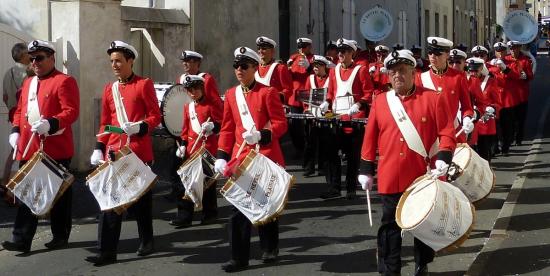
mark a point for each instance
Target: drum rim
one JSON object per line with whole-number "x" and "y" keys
{"x": 470, "y": 153}
{"x": 466, "y": 146}
{"x": 401, "y": 202}
{"x": 162, "y": 105}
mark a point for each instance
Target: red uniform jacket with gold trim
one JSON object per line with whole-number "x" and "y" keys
{"x": 490, "y": 96}
{"x": 362, "y": 88}
{"x": 141, "y": 104}
{"x": 210, "y": 88}
{"x": 319, "y": 83}
{"x": 265, "y": 106}
{"x": 380, "y": 81}
{"x": 299, "y": 75}
{"x": 281, "y": 79}
{"x": 205, "y": 109}
{"x": 514, "y": 82}
{"x": 399, "y": 166}
{"x": 59, "y": 98}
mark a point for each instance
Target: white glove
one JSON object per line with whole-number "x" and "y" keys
{"x": 372, "y": 69}
{"x": 303, "y": 62}
{"x": 383, "y": 70}
{"x": 180, "y": 152}
{"x": 14, "y": 137}
{"x": 440, "y": 168}
{"x": 366, "y": 181}
{"x": 324, "y": 107}
{"x": 252, "y": 137}
{"x": 493, "y": 61}
{"x": 467, "y": 125}
{"x": 219, "y": 165}
{"x": 97, "y": 157}
{"x": 354, "y": 109}
{"x": 523, "y": 75}
{"x": 207, "y": 128}
{"x": 490, "y": 110}
{"x": 41, "y": 127}
{"x": 419, "y": 63}
{"x": 130, "y": 128}
{"x": 500, "y": 64}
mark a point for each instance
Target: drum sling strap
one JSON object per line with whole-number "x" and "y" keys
{"x": 33, "y": 109}
{"x": 266, "y": 80}
{"x": 119, "y": 105}
{"x": 195, "y": 124}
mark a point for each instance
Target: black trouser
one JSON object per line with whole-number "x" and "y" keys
{"x": 507, "y": 125}
{"x": 239, "y": 236}
{"x": 389, "y": 240}
{"x": 485, "y": 144}
{"x": 521, "y": 116}
{"x": 350, "y": 144}
{"x": 110, "y": 224}
{"x": 26, "y": 222}
{"x": 296, "y": 131}
{"x": 311, "y": 151}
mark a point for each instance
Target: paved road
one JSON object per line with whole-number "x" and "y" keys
{"x": 317, "y": 237}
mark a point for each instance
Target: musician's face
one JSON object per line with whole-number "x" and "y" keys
{"x": 191, "y": 65}
{"x": 42, "y": 62}
{"x": 195, "y": 92}
{"x": 438, "y": 59}
{"x": 122, "y": 67}
{"x": 500, "y": 54}
{"x": 266, "y": 53}
{"x": 516, "y": 50}
{"x": 381, "y": 55}
{"x": 307, "y": 49}
{"x": 319, "y": 69}
{"x": 401, "y": 77}
{"x": 457, "y": 64}
{"x": 345, "y": 55}
{"x": 244, "y": 71}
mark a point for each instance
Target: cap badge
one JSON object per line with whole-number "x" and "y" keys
{"x": 35, "y": 43}
{"x": 434, "y": 41}
{"x": 113, "y": 44}
{"x": 242, "y": 50}
{"x": 455, "y": 52}
{"x": 395, "y": 54}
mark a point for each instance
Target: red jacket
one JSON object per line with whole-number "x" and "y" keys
{"x": 362, "y": 87}
{"x": 205, "y": 109}
{"x": 281, "y": 79}
{"x": 364, "y": 57}
{"x": 513, "y": 81}
{"x": 318, "y": 83}
{"x": 58, "y": 100}
{"x": 490, "y": 97}
{"x": 210, "y": 88}
{"x": 141, "y": 104}
{"x": 399, "y": 166}
{"x": 265, "y": 105}
{"x": 299, "y": 75}
{"x": 454, "y": 88}
{"x": 380, "y": 81}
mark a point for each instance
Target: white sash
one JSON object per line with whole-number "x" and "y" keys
{"x": 182, "y": 77}
{"x": 314, "y": 85}
{"x": 266, "y": 80}
{"x": 406, "y": 127}
{"x": 427, "y": 81}
{"x": 344, "y": 94}
{"x": 195, "y": 124}
{"x": 33, "y": 110}
{"x": 244, "y": 112}
{"x": 484, "y": 83}
{"x": 119, "y": 105}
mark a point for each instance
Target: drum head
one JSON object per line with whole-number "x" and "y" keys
{"x": 171, "y": 108}
{"x": 418, "y": 203}
{"x": 462, "y": 156}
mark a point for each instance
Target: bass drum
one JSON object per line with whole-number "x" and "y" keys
{"x": 171, "y": 100}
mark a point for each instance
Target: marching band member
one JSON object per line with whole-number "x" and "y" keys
{"x": 486, "y": 126}
{"x": 300, "y": 68}
{"x": 450, "y": 82}
{"x": 417, "y": 117}
{"x": 350, "y": 82}
{"x": 378, "y": 72}
{"x": 422, "y": 64}
{"x": 253, "y": 114}
{"x": 195, "y": 120}
{"x": 457, "y": 60}
{"x": 316, "y": 139}
{"x": 331, "y": 52}
{"x": 48, "y": 106}
{"x": 191, "y": 63}
{"x": 137, "y": 115}
{"x": 523, "y": 66}
{"x": 273, "y": 73}
{"x": 367, "y": 56}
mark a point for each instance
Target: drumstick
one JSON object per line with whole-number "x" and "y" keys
{"x": 28, "y": 145}
{"x": 200, "y": 136}
{"x": 368, "y": 206}
{"x": 459, "y": 132}
{"x": 14, "y": 152}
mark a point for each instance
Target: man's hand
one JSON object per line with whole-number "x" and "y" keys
{"x": 467, "y": 125}
{"x": 441, "y": 168}
{"x": 41, "y": 126}
{"x": 130, "y": 128}
{"x": 354, "y": 109}
{"x": 180, "y": 152}
{"x": 13, "y": 139}
{"x": 252, "y": 137}
{"x": 220, "y": 165}
{"x": 324, "y": 107}
{"x": 97, "y": 157}
{"x": 366, "y": 181}
{"x": 207, "y": 128}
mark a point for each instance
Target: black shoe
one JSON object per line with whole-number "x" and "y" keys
{"x": 331, "y": 194}
{"x": 350, "y": 195}
{"x": 234, "y": 266}
{"x": 421, "y": 270}
{"x": 209, "y": 219}
{"x": 145, "y": 250}
{"x": 309, "y": 173}
{"x": 14, "y": 246}
{"x": 57, "y": 244}
{"x": 179, "y": 223}
{"x": 271, "y": 256}
{"x": 102, "y": 259}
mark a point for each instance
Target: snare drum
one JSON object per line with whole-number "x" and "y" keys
{"x": 40, "y": 182}
{"x": 118, "y": 184}
{"x": 171, "y": 99}
{"x": 471, "y": 173}
{"x": 358, "y": 124}
{"x": 326, "y": 122}
{"x": 302, "y": 117}
{"x": 435, "y": 212}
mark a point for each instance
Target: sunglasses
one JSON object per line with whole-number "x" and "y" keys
{"x": 437, "y": 53}
{"x": 38, "y": 58}
{"x": 479, "y": 54}
{"x": 242, "y": 65}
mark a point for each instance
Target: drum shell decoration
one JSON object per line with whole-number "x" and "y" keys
{"x": 171, "y": 100}
{"x": 474, "y": 176}
{"x": 448, "y": 220}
